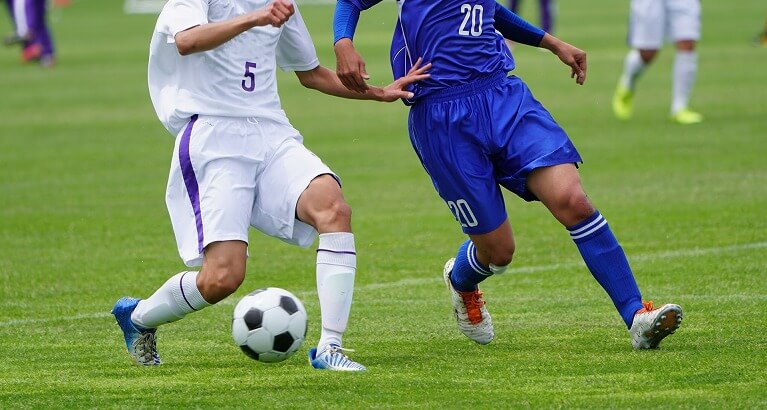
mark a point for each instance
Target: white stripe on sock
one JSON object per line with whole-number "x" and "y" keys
{"x": 471, "y": 256}
{"x": 587, "y": 226}
{"x": 590, "y": 231}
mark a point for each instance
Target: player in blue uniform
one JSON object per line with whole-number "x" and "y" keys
{"x": 477, "y": 130}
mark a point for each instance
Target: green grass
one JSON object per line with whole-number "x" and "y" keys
{"x": 83, "y": 167}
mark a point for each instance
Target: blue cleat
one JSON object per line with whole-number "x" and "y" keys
{"x": 333, "y": 358}
{"x": 141, "y": 344}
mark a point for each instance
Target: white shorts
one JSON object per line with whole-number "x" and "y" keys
{"x": 654, "y": 21}
{"x": 231, "y": 173}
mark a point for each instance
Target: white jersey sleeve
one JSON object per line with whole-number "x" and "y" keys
{"x": 295, "y": 49}
{"x": 179, "y": 15}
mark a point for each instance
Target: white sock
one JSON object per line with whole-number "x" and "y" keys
{"x": 177, "y": 297}
{"x": 336, "y": 266}
{"x": 633, "y": 66}
{"x": 685, "y": 68}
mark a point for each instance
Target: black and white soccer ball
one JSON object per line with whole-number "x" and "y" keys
{"x": 269, "y": 324}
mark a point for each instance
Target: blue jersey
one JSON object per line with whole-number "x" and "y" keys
{"x": 457, "y": 37}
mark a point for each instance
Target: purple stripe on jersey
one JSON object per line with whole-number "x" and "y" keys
{"x": 190, "y": 179}
{"x": 332, "y": 251}
{"x": 183, "y": 294}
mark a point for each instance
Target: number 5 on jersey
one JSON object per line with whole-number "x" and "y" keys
{"x": 249, "y": 82}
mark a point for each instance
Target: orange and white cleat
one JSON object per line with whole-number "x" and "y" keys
{"x": 651, "y": 325}
{"x": 472, "y": 316}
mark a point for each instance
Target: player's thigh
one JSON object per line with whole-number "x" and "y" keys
{"x": 684, "y": 20}
{"x": 285, "y": 177}
{"x": 448, "y": 140}
{"x": 211, "y": 185}
{"x": 647, "y": 24}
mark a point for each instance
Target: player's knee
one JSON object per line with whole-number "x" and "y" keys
{"x": 580, "y": 207}
{"x": 218, "y": 281}
{"x": 648, "y": 55}
{"x": 502, "y": 259}
{"x": 335, "y": 217}
{"x": 501, "y": 254}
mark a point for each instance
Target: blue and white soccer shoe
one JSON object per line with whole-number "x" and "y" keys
{"x": 141, "y": 344}
{"x": 333, "y": 358}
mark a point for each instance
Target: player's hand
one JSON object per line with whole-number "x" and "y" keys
{"x": 576, "y": 59}
{"x": 350, "y": 67}
{"x": 398, "y": 89}
{"x": 568, "y": 54}
{"x": 275, "y": 13}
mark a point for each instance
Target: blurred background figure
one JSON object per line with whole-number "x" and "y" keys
{"x": 31, "y": 31}
{"x": 546, "y": 12}
{"x": 651, "y": 23}
{"x": 761, "y": 38}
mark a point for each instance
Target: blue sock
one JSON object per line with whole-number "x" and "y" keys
{"x": 467, "y": 271}
{"x": 605, "y": 259}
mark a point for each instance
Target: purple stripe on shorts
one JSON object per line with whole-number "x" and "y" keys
{"x": 331, "y": 251}
{"x": 183, "y": 294}
{"x": 190, "y": 179}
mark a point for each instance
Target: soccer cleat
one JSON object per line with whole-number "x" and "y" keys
{"x": 761, "y": 39}
{"x": 333, "y": 358}
{"x": 47, "y": 61}
{"x": 650, "y": 325}
{"x": 470, "y": 312}
{"x": 31, "y": 53}
{"x": 685, "y": 116}
{"x": 623, "y": 103}
{"x": 13, "y": 39}
{"x": 141, "y": 345}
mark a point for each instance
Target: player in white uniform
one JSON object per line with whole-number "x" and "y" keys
{"x": 238, "y": 162}
{"x": 651, "y": 23}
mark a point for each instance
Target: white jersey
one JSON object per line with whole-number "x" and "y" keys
{"x": 236, "y": 79}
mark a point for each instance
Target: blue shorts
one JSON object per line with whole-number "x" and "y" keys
{"x": 479, "y": 137}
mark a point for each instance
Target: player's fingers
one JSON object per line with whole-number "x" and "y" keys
{"x": 356, "y": 83}
{"x": 416, "y": 65}
{"x": 581, "y": 70}
{"x": 347, "y": 82}
{"x": 283, "y": 11}
{"x": 422, "y": 70}
{"x": 364, "y": 72}
{"x": 404, "y": 94}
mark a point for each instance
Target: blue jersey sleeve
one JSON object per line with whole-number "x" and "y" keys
{"x": 515, "y": 28}
{"x": 346, "y": 16}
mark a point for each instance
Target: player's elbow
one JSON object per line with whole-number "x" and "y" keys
{"x": 186, "y": 43}
{"x": 309, "y": 79}
{"x": 185, "y": 47}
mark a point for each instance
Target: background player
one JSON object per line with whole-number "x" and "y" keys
{"x": 31, "y": 31}
{"x": 475, "y": 130}
{"x": 546, "y": 11}
{"x": 761, "y": 38}
{"x": 651, "y": 22}
{"x": 238, "y": 162}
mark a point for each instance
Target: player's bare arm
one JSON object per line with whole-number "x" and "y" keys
{"x": 326, "y": 81}
{"x": 350, "y": 66}
{"x": 570, "y": 55}
{"x": 209, "y": 36}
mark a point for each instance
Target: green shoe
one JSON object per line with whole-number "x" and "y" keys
{"x": 623, "y": 103}
{"x": 685, "y": 116}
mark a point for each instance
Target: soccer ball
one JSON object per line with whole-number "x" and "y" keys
{"x": 269, "y": 324}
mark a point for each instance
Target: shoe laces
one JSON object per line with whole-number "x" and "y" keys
{"x": 473, "y": 302}
{"x": 335, "y": 349}
{"x": 145, "y": 347}
{"x": 647, "y": 307}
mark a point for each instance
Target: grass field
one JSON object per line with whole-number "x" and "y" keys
{"x": 83, "y": 167}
